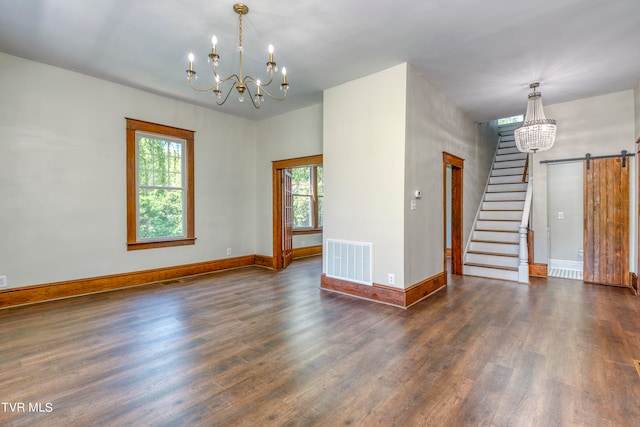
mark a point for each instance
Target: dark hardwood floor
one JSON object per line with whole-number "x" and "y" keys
{"x": 261, "y": 348}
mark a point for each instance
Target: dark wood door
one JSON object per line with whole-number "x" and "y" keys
{"x": 606, "y": 222}
{"x": 287, "y": 217}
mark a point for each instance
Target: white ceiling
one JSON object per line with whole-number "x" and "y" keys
{"x": 480, "y": 54}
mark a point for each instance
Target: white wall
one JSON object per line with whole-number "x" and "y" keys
{"x": 63, "y": 183}
{"x": 600, "y": 125}
{"x": 565, "y": 211}
{"x": 364, "y": 158}
{"x": 435, "y": 125}
{"x": 296, "y": 134}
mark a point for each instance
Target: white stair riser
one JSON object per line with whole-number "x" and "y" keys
{"x": 496, "y": 236}
{"x": 498, "y": 225}
{"x": 498, "y": 248}
{"x": 506, "y": 215}
{"x": 513, "y": 196}
{"x": 497, "y": 260}
{"x": 502, "y": 206}
{"x": 491, "y": 273}
{"x": 511, "y": 156}
{"x": 508, "y": 171}
{"x": 501, "y": 188}
{"x": 505, "y": 179}
{"x": 509, "y": 164}
{"x": 508, "y": 144}
{"x": 508, "y": 150}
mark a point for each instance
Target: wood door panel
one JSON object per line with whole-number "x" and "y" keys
{"x": 606, "y": 222}
{"x": 287, "y": 209}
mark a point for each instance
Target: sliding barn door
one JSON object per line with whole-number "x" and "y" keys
{"x": 287, "y": 218}
{"x": 606, "y": 222}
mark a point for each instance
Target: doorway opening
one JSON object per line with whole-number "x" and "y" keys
{"x": 284, "y": 241}
{"x": 452, "y": 171}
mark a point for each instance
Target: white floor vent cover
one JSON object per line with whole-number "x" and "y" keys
{"x": 350, "y": 261}
{"x": 565, "y": 273}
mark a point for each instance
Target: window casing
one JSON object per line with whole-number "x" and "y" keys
{"x": 160, "y": 195}
{"x": 307, "y": 186}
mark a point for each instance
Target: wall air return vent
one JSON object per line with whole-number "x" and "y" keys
{"x": 350, "y": 261}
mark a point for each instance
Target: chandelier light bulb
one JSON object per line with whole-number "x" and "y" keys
{"x": 214, "y": 40}
{"x": 271, "y": 49}
{"x": 190, "y": 73}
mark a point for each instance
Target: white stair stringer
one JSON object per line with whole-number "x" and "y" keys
{"x": 493, "y": 247}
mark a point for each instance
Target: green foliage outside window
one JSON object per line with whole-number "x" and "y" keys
{"x": 307, "y": 185}
{"x": 160, "y": 191}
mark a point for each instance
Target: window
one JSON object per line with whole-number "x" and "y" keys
{"x": 510, "y": 120}
{"x": 307, "y": 186}
{"x": 159, "y": 186}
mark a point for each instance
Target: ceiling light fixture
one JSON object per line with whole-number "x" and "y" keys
{"x": 537, "y": 133}
{"x": 238, "y": 81}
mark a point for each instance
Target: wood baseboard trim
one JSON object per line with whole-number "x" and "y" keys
{"x": 402, "y": 298}
{"x": 422, "y": 290}
{"x": 633, "y": 280}
{"x": 265, "y": 261}
{"x": 307, "y": 251}
{"x": 71, "y": 288}
{"x": 538, "y": 270}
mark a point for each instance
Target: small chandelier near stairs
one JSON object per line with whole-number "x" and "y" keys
{"x": 537, "y": 133}
{"x": 239, "y": 81}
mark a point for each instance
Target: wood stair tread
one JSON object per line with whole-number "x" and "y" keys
{"x": 496, "y": 267}
{"x": 509, "y": 191}
{"x": 492, "y": 254}
{"x": 502, "y": 201}
{"x": 496, "y": 241}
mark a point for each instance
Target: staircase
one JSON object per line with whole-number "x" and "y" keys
{"x": 493, "y": 248}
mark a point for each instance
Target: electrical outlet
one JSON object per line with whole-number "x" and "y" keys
{"x": 228, "y": 251}
{"x": 3, "y": 281}
{"x": 391, "y": 279}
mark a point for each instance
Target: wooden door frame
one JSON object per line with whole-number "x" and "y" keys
{"x": 457, "y": 168}
{"x": 277, "y": 167}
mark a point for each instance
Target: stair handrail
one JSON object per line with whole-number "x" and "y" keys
{"x": 523, "y": 253}
{"x": 525, "y": 173}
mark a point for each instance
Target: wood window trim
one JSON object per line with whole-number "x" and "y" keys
{"x": 133, "y": 126}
